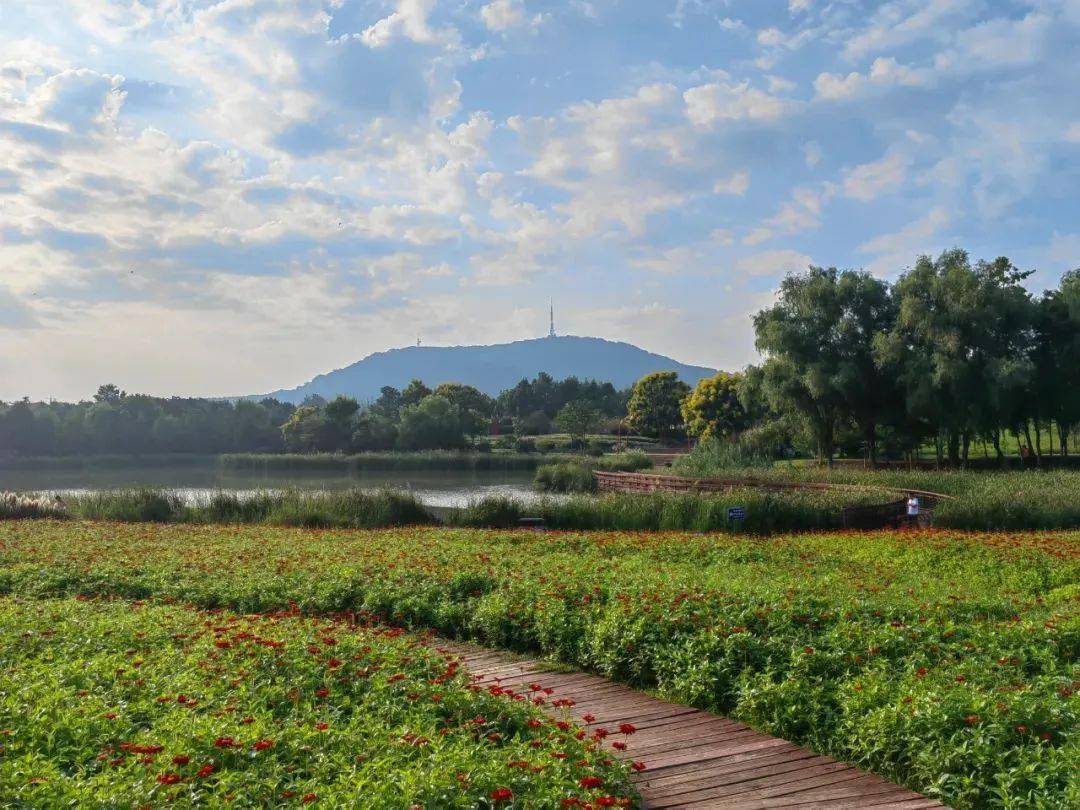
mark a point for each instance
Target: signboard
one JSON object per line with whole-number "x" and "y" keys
{"x": 736, "y": 513}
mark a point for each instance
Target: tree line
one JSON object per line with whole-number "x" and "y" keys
{"x": 952, "y": 353}
{"x": 415, "y": 418}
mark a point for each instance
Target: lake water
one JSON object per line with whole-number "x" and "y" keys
{"x": 443, "y": 489}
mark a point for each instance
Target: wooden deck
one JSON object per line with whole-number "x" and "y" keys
{"x": 695, "y": 759}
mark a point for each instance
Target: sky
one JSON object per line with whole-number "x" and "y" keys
{"x": 214, "y": 197}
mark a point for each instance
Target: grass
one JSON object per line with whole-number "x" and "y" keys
{"x": 354, "y": 508}
{"x": 14, "y": 506}
{"x": 577, "y": 475}
{"x": 117, "y": 704}
{"x": 943, "y": 660}
{"x": 766, "y": 512}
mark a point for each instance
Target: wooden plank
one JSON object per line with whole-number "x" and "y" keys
{"x": 693, "y": 759}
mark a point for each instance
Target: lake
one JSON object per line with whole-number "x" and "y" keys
{"x": 436, "y": 488}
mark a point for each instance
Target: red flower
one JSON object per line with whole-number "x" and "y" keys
{"x": 638, "y": 766}
{"x": 308, "y": 798}
{"x": 262, "y": 745}
{"x": 589, "y": 782}
{"x": 1046, "y": 736}
{"x": 605, "y": 801}
{"x": 627, "y": 728}
{"x": 205, "y": 771}
{"x": 169, "y": 778}
{"x": 920, "y": 672}
{"x": 619, "y": 746}
{"x": 224, "y": 742}
{"x": 502, "y": 794}
{"x": 181, "y": 759}
{"x": 971, "y": 719}
{"x": 322, "y": 726}
{"x": 588, "y": 718}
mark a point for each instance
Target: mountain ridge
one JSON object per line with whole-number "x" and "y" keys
{"x": 494, "y": 367}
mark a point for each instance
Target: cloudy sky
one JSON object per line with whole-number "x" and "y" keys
{"x": 228, "y": 196}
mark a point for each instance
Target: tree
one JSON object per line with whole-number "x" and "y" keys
{"x": 578, "y": 419}
{"x": 339, "y": 423}
{"x": 1057, "y": 356}
{"x": 432, "y": 424}
{"x": 961, "y": 348}
{"x": 109, "y": 393}
{"x": 655, "y": 407}
{"x": 819, "y": 339}
{"x": 414, "y": 392}
{"x": 302, "y": 430}
{"x": 475, "y": 406}
{"x": 714, "y": 408}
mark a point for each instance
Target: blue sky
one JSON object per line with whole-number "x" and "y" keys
{"x": 227, "y": 196}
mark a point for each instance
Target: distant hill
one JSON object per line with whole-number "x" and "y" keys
{"x": 494, "y": 368}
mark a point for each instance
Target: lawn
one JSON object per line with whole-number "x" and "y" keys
{"x": 943, "y": 660}
{"x": 118, "y": 704}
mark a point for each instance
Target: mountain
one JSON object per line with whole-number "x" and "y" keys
{"x": 494, "y": 368}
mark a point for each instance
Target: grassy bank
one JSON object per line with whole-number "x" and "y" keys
{"x": 366, "y": 509}
{"x": 765, "y": 512}
{"x": 945, "y": 661}
{"x": 577, "y": 475}
{"x": 295, "y": 712}
{"x": 434, "y": 460}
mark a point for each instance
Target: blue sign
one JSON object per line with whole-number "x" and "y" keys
{"x": 736, "y": 513}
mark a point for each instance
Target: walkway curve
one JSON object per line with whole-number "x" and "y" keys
{"x": 693, "y": 759}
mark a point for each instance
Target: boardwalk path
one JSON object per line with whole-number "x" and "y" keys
{"x": 696, "y": 759}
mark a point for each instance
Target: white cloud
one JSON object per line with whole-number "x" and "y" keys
{"x": 812, "y": 154}
{"x": 773, "y": 263}
{"x": 731, "y": 101}
{"x": 884, "y": 73}
{"x": 903, "y": 21}
{"x": 737, "y": 184}
{"x": 502, "y": 15}
{"x": 998, "y": 43}
{"x": 408, "y": 20}
{"x": 797, "y": 6}
{"x": 78, "y": 99}
{"x": 870, "y": 180}
{"x": 1072, "y": 134}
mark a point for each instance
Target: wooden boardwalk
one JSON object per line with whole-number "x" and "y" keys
{"x": 695, "y": 759}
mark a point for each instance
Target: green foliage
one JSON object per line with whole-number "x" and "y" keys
{"x": 577, "y": 419}
{"x": 945, "y": 661}
{"x": 766, "y": 512}
{"x": 819, "y": 340}
{"x": 577, "y": 475}
{"x": 714, "y": 408}
{"x": 717, "y": 457}
{"x": 163, "y": 705}
{"x": 367, "y": 509}
{"x": 433, "y": 423}
{"x": 655, "y": 406}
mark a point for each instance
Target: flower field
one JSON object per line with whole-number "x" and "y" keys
{"x": 127, "y": 705}
{"x": 947, "y": 661}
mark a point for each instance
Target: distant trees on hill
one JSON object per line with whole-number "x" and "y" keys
{"x": 415, "y": 418}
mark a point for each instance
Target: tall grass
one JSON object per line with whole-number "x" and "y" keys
{"x": 354, "y": 508}
{"x": 15, "y": 506}
{"x": 716, "y": 458}
{"x": 577, "y": 475}
{"x": 766, "y": 512}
